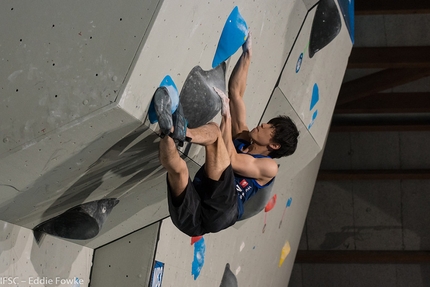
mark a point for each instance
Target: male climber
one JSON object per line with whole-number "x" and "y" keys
{"x": 232, "y": 173}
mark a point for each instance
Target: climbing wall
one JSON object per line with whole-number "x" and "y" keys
{"x": 260, "y": 251}
{"x": 75, "y": 142}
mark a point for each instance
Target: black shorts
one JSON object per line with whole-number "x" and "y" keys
{"x": 207, "y": 206}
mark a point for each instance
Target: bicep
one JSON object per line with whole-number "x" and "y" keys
{"x": 261, "y": 169}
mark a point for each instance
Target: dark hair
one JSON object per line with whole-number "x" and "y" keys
{"x": 286, "y": 134}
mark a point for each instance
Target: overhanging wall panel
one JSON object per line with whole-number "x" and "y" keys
{"x": 34, "y": 177}
{"x": 141, "y": 205}
{"x": 62, "y": 60}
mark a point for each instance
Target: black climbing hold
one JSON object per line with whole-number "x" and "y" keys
{"x": 80, "y": 222}
{"x": 325, "y": 26}
{"x": 228, "y": 278}
{"x": 198, "y": 98}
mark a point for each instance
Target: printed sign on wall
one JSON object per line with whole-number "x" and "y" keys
{"x": 157, "y": 274}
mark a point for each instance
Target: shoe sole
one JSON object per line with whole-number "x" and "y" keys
{"x": 180, "y": 124}
{"x": 163, "y": 109}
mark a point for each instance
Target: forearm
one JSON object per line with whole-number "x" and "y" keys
{"x": 237, "y": 86}
{"x": 238, "y": 78}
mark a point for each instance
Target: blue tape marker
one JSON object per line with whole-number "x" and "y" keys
{"x": 289, "y": 202}
{"x": 314, "y": 115}
{"x": 315, "y": 96}
{"x": 299, "y": 63}
{"x": 199, "y": 257}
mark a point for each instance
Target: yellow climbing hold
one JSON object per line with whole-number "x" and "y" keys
{"x": 284, "y": 253}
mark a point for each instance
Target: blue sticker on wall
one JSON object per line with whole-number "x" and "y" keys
{"x": 299, "y": 63}
{"x": 199, "y": 257}
{"x": 157, "y": 274}
{"x": 314, "y": 116}
{"x": 314, "y": 100}
{"x": 288, "y": 204}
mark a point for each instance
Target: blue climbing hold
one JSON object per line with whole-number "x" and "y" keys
{"x": 233, "y": 36}
{"x": 174, "y": 96}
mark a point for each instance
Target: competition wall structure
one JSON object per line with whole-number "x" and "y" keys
{"x": 77, "y": 79}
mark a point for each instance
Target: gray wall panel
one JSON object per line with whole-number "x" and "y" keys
{"x": 127, "y": 261}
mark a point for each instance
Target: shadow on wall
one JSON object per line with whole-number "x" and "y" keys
{"x": 124, "y": 165}
{"x": 130, "y": 161}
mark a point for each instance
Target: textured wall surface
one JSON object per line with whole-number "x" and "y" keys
{"x": 28, "y": 264}
{"x": 77, "y": 79}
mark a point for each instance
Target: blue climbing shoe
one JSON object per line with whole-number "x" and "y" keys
{"x": 163, "y": 109}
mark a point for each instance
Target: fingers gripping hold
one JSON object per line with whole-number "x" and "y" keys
{"x": 225, "y": 110}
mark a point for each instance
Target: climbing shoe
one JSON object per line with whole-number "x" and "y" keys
{"x": 163, "y": 108}
{"x": 180, "y": 127}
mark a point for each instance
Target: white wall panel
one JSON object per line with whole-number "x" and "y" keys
{"x": 310, "y": 3}
{"x": 28, "y": 264}
{"x": 326, "y": 69}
